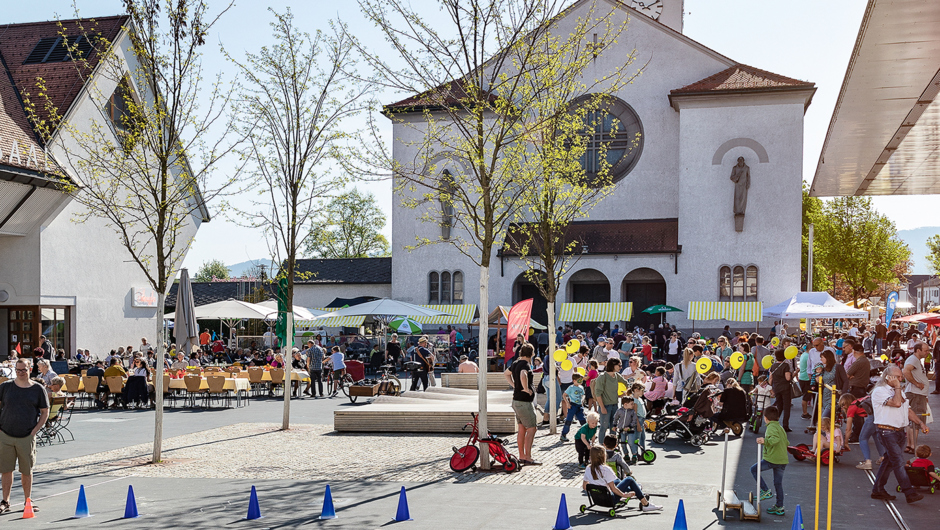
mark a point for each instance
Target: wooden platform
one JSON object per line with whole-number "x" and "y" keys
{"x": 494, "y": 381}
{"x": 439, "y": 410}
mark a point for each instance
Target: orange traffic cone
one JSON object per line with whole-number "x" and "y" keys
{"x": 28, "y": 510}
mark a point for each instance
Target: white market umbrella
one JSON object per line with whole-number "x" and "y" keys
{"x": 232, "y": 310}
{"x": 185, "y": 328}
{"x": 300, "y": 313}
{"x": 813, "y": 305}
{"x": 382, "y": 310}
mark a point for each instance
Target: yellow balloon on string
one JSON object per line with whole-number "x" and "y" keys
{"x": 573, "y": 346}
{"x": 580, "y": 370}
{"x": 775, "y": 341}
{"x": 621, "y": 389}
{"x": 737, "y": 360}
{"x": 767, "y": 362}
{"x": 791, "y": 352}
{"x": 566, "y": 365}
{"x": 703, "y": 365}
{"x": 560, "y": 355}
{"x": 884, "y": 358}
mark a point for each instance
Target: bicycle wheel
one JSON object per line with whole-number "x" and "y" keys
{"x": 345, "y": 383}
{"x": 464, "y": 458}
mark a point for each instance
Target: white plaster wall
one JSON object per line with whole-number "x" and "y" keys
{"x": 19, "y": 268}
{"x": 85, "y": 264}
{"x": 320, "y": 294}
{"x": 771, "y": 235}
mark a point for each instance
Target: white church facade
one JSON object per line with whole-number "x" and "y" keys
{"x": 677, "y": 227}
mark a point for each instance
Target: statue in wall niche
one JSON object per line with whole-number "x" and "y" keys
{"x": 741, "y": 176}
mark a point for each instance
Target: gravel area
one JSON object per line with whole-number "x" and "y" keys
{"x": 316, "y": 452}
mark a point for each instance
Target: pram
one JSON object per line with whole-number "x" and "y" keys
{"x": 685, "y": 423}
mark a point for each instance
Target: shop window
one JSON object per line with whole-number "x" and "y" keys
{"x": 434, "y": 288}
{"x": 737, "y": 283}
{"x": 445, "y": 287}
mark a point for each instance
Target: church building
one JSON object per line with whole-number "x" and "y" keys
{"x": 707, "y": 208}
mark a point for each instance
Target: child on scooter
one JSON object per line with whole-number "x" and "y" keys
{"x": 638, "y": 390}
{"x": 627, "y": 424}
{"x": 610, "y": 443}
{"x": 573, "y": 396}
{"x": 775, "y": 457}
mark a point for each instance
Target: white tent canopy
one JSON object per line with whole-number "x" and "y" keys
{"x": 813, "y": 305}
{"x": 384, "y": 307}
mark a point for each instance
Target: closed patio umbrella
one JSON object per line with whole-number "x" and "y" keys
{"x": 185, "y": 328}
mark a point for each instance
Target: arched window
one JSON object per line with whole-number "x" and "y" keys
{"x": 434, "y": 288}
{"x": 445, "y": 287}
{"x": 614, "y": 139}
{"x": 724, "y": 284}
{"x": 458, "y": 287}
{"x": 737, "y": 284}
{"x": 751, "y": 284}
{"x": 448, "y": 189}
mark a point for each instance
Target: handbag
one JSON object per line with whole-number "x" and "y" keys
{"x": 795, "y": 390}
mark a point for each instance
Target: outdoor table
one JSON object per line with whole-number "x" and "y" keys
{"x": 295, "y": 375}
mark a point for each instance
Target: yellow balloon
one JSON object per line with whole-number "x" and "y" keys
{"x": 791, "y": 352}
{"x": 737, "y": 360}
{"x": 573, "y": 346}
{"x": 560, "y": 355}
{"x": 621, "y": 389}
{"x": 580, "y": 370}
{"x": 703, "y": 365}
{"x": 767, "y": 362}
{"x": 531, "y": 331}
{"x": 566, "y": 365}
{"x": 775, "y": 341}
{"x": 884, "y": 358}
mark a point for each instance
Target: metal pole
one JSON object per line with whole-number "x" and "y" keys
{"x": 724, "y": 470}
{"x": 809, "y": 261}
{"x": 819, "y": 401}
{"x": 832, "y": 456}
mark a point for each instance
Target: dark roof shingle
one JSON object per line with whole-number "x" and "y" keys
{"x": 211, "y": 292}
{"x": 352, "y": 270}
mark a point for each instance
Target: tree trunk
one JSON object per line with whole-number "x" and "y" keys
{"x": 288, "y": 359}
{"x": 158, "y": 381}
{"x": 484, "y": 362}
{"x": 552, "y": 372}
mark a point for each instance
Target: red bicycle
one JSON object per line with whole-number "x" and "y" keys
{"x": 466, "y": 457}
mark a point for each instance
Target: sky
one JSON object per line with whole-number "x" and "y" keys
{"x": 810, "y": 40}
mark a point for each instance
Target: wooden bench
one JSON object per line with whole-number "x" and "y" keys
{"x": 494, "y": 381}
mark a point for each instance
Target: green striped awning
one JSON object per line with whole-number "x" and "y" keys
{"x": 462, "y": 314}
{"x": 332, "y": 322}
{"x": 731, "y": 311}
{"x": 596, "y": 312}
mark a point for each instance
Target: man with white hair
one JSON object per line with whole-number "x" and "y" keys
{"x": 892, "y": 414}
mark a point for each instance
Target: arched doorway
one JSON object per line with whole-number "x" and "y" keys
{"x": 522, "y": 289}
{"x": 644, "y": 287}
{"x": 587, "y": 286}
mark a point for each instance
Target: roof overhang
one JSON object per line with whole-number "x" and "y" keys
{"x": 884, "y": 136}
{"x": 27, "y": 201}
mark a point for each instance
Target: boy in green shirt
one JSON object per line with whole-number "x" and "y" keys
{"x": 584, "y": 439}
{"x": 775, "y": 444}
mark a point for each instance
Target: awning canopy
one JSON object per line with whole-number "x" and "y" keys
{"x": 730, "y": 311}
{"x": 882, "y": 137}
{"x": 332, "y": 322}
{"x": 498, "y": 319}
{"x": 813, "y": 305}
{"x": 458, "y": 314}
{"x": 596, "y": 312}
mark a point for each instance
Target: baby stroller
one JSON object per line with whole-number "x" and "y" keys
{"x": 686, "y": 424}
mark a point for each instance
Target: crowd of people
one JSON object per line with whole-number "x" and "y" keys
{"x": 877, "y": 376}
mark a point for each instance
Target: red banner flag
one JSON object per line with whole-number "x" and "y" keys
{"x": 19, "y": 352}
{"x": 517, "y": 322}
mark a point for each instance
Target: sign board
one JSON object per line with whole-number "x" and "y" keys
{"x": 143, "y": 297}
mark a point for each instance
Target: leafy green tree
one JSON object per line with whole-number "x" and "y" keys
{"x": 933, "y": 254}
{"x": 812, "y": 210}
{"x": 211, "y": 270}
{"x": 860, "y": 246}
{"x": 350, "y": 227}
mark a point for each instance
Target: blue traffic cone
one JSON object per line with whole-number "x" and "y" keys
{"x": 254, "y": 510}
{"x": 680, "y": 523}
{"x": 130, "y": 509}
{"x": 328, "y": 512}
{"x": 81, "y": 509}
{"x": 402, "y": 514}
{"x": 562, "y": 522}
{"x": 797, "y": 519}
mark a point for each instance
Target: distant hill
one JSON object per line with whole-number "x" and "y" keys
{"x": 239, "y": 269}
{"x": 916, "y": 239}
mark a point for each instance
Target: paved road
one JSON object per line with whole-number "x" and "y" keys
{"x": 681, "y": 472}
